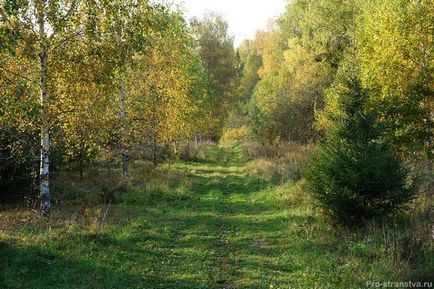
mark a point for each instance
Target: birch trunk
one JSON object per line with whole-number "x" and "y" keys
{"x": 175, "y": 148}
{"x": 154, "y": 149}
{"x": 429, "y": 127}
{"x": 44, "y": 171}
{"x": 154, "y": 129}
{"x": 124, "y": 152}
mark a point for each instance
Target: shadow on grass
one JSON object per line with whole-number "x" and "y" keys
{"x": 34, "y": 267}
{"x": 216, "y": 235}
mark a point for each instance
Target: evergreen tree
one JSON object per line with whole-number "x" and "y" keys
{"x": 354, "y": 176}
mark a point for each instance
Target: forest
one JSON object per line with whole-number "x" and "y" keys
{"x": 141, "y": 148}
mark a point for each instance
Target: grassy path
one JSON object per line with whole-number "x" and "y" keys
{"x": 221, "y": 227}
{"x": 202, "y": 225}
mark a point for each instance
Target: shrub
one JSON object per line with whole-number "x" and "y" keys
{"x": 354, "y": 176}
{"x": 234, "y": 136}
{"x": 195, "y": 151}
{"x": 278, "y": 163}
{"x": 17, "y": 166}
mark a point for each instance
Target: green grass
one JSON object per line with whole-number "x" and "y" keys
{"x": 203, "y": 224}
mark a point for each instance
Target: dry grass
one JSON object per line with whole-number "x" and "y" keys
{"x": 188, "y": 221}
{"x": 191, "y": 152}
{"x": 278, "y": 163}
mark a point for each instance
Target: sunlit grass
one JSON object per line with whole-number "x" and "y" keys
{"x": 210, "y": 224}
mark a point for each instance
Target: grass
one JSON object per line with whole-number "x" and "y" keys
{"x": 195, "y": 224}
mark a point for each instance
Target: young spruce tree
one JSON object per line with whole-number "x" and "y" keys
{"x": 354, "y": 176}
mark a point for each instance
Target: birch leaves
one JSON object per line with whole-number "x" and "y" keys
{"x": 93, "y": 76}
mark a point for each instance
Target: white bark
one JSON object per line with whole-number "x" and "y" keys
{"x": 45, "y": 136}
{"x": 44, "y": 173}
{"x": 154, "y": 127}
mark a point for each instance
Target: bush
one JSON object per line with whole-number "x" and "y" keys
{"x": 195, "y": 151}
{"x": 17, "y": 166}
{"x": 354, "y": 176}
{"x": 234, "y": 136}
{"x": 278, "y": 163}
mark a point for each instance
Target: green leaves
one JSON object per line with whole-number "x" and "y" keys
{"x": 300, "y": 57}
{"x": 215, "y": 48}
{"x": 354, "y": 176}
{"x": 396, "y": 53}
{"x": 94, "y": 50}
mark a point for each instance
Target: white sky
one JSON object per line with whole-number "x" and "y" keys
{"x": 244, "y": 16}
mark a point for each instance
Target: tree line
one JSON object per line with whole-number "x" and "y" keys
{"x": 83, "y": 80}
{"x": 356, "y": 77}
{"x": 126, "y": 78}
{"x": 291, "y": 70}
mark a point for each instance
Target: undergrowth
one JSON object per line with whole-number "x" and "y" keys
{"x": 230, "y": 219}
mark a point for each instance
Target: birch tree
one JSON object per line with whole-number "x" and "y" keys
{"x": 46, "y": 29}
{"x": 400, "y": 69}
{"x": 126, "y": 26}
{"x": 215, "y": 47}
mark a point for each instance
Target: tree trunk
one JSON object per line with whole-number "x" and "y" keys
{"x": 81, "y": 170}
{"x": 154, "y": 128}
{"x": 124, "y": 152}
{"x": 175, "y": 148}
{"x": 44, "y": 172}
{"x": 429, "y": 127}
{"x": 154, "y": 149}
{"x": 81, "y": 158}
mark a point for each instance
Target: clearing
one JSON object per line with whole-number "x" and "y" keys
{"x": 209, "y": 224}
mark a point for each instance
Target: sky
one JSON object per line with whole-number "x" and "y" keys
{"x": 244, "y": 16}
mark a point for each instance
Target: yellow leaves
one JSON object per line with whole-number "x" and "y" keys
{"x": 265, "y": 43}
{"x": 234, "y": 136}
{"x": 390, "y": 39}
